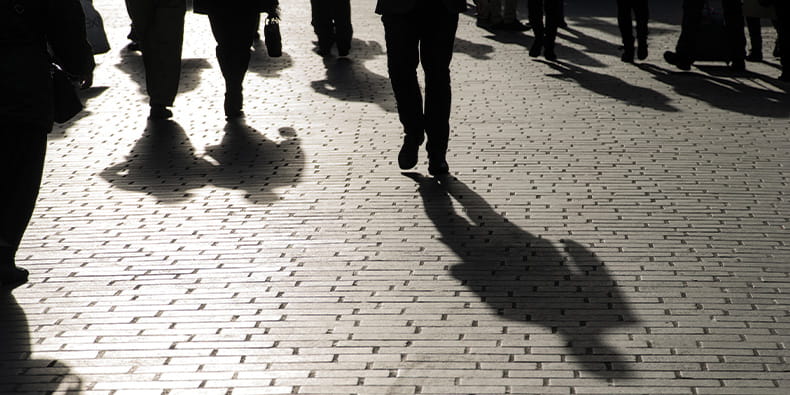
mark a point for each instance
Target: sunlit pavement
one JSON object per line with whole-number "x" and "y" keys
{"x": 609, "y": 228}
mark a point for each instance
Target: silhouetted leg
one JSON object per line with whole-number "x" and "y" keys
{"x": 343, "y": 29}
{"x": 161, "y": 29}
{"x": 625, "y": 24}
{"x": 402, "y": 39}
{"x": 733, "y": 19}
{"x": 642, "y": 14}
{"x": 436, "y": 53}
{"x": 552, "y": 9}
{"x": 322, "y": 11}
{"x": 234, "y": 32}
{"x": 754, "y": 27}
{"x": 21, "y": 166}
{"x": 687, "y": 42}
{"x": 535, "y": 8}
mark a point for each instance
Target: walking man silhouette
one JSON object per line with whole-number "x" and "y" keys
{"x": 421, "y": 32}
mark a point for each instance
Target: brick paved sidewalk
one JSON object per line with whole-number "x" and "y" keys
{"x": 611, "y": 228}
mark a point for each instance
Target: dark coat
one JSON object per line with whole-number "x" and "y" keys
{"x": 404, "y": 6}
{"x": 209, "y": 6}
{"x": 26, "y": 27}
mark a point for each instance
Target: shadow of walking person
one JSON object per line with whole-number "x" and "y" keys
{"x": 162, "y": 163}
{"x": 246, "y": 160}
{"x": 725, "y": 93}
{"x": 349, "y": 80}
{"x": 19, "y": 373}
{"x": 526, "y": 278}
{"x": 613, "y": 87}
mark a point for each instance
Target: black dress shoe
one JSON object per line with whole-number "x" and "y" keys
{"x": 13, "y": 275}
{"x": 628, "y": 55}
{"x": 536, "y": 48}
{"x": 641, "y": 52}
{"x": 549, "y": 53}
{"x": 677, "y": 61}
{"x": 438, "y": 167}
{"x": 407, "y": 158}
{"x": 159, "y": 112}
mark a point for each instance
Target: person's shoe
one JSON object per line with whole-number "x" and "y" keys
{"x": 754, "y": 56}
{"x": 549, "y": 54}
{"x": 13, "y": 275}
{"x": 563, "y": 24}
{"x": 407, "y": 158}
{"x": 641, "y": 51}
{"x": 133, "y": 46}
{"x": 159, "y": 112}
{"x": 438, "y": 167}
{"x": 738, "y": 65}
{"x": 536, "y": 48}
{"x": 342, "y": 52}
{"x": 628, "y": 55}
{"x": 675, "y": 60}
{"x": 233, "y": 105}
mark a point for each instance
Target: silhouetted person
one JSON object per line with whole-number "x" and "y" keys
{"x": 235, "y": 25}
{"x": 26, "y": 112}
{"x": 418, "y": 31}
{"x": 684, "y": 54}
{"x": 545, "y": 33}
{"x": 332, "y": 24}
{"x": 159, "y": 27}
{"x": 624, "y": 22}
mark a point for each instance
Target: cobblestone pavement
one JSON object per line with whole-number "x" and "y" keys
{"x": 611, "y": 228}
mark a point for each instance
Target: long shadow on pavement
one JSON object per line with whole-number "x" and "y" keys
{"x": 725, "y": 93}
{"x": 526, "y": 278}
{"x": 610, "y": 86}
{"x": 348, "y": 79}
{"x": 18, "y": 372}
{"x": 164, "y": 164}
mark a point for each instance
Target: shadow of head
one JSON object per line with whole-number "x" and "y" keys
{"x": 162, "y": 163}
{"x": 18, "y": 372}
{"x": 245, "y": 159}
{"x": 561, "y": 286}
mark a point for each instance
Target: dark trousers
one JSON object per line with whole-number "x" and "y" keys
{"x": 545, "y": 33}
{"x": 692, "y": 16}
{"x": 332, "y": 23}
{"x": 22, "y": 151}
{"x": 234, "y": 30}
{"x": 624, "y": 21}
{"x": 159, "y": 25}
{"x": 423, "y": 36}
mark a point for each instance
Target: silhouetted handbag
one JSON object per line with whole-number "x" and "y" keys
{"x": 712, "y": 39}
{"x": 66, "y": 102}
{"x": 94, "y": 28}
{"x": 273, "y": 38}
